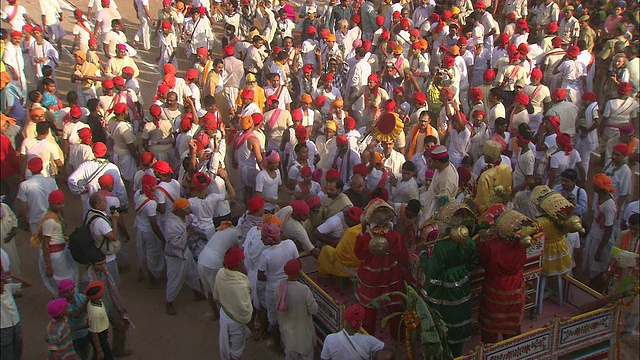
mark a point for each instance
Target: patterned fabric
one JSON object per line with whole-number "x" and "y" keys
{"x": 58, "y": 338}
{"x": 449, "y": 285}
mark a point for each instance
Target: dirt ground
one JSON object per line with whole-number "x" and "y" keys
{"x": 192, "y": 334}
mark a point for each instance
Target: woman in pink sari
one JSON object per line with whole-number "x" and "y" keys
{"x": 614, "y": 19}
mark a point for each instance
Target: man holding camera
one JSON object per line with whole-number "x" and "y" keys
{"x": 104, "y": 229}
{"x": 106, "y": 183}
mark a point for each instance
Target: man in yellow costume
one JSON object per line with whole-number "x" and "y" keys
{"x": 341, "y": 261}
{"x": 496, "y": 176}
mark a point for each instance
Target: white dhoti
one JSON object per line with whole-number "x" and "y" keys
{"x": 208, "y": 279}
{"x": 233, "y": 336}
{"x": 127, "y": 166}
{"x": 63, "y": 266}
{"x": 231, "y": 93}
{"x": 144, "y": 34}
{"x": 150, "y": 253}
{"x": 270, "y": 302}
{"x": 585, "y": 147}
{"x": 589, "y": 255}
{"x": 180, "y": 271}
{"x": 257, "y": 289}
{"x": 248, "y": 175}
{"x": 84, "y": 95}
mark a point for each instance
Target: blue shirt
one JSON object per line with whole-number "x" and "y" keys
{"x": 80, "y": 321}
{"x": 10, "y": 97}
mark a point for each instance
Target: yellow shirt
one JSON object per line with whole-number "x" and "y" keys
{"x": 97, "y": 317}
{"x": 489, "y": 179}
{"x": 333, "y": 260}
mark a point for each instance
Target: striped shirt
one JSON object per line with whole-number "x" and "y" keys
{"x": 58, "y": 338}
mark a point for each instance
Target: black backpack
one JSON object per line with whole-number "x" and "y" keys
{"x": 81, "y": 243}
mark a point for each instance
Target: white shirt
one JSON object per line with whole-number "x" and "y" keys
{"x": 334, "y": 348}
{"x": 51, "y": 9}
{"x": 273, "y": 259}
{"x": 105, "y": 16}
{"x": 173, "y": 188}
{"x": 144, "y": 212}
{"x": 212, "y": 255}
{"x": 268, "y": 187}
{"x": 43, "y": 149}
{"x": 9, "y": 315}
{"x": 35, "y": 192}
{"x": 283, "y": 100}
{"x": 18, "y": 21}
{"x": 334, "y": 227}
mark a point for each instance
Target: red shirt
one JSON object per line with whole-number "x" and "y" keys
{"x": 9, "y": 164}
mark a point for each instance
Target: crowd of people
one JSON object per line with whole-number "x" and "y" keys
{"x": 311, "y": 122}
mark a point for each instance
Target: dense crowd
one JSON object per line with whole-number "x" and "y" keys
{"x": 344, "y": 132}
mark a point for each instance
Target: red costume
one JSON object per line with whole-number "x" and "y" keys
{"x": 502, "y": 304}
{"x": 378, "y": 275}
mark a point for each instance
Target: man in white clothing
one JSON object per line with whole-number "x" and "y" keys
{"x": 357, "y": 83}
{"x": 32, "y": 195}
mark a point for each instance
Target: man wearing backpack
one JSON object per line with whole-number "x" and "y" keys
{"x": 104, "y": 230}
{"x": 55, "y": 262}
{"x": 84, "y": 180}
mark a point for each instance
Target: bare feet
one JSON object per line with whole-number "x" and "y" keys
{"x": 198, "y": 296}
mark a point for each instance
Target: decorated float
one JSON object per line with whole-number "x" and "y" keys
{"x": 576, "y": 321}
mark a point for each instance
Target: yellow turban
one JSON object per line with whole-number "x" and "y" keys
{"x": 306, "y": 98}
{"x": 338, "y": 102}
{"x": 81, "y": 54}
{"x": 246, "y": 122}
{"x": 180, "y": 203}
{"x": 4, "y": 79}
{"x": 331, "y": 37}
{"x": 331, "y": 125}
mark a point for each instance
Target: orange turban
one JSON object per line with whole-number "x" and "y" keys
{"x": 180, "y": 203}
{"x": 603, "y": 182}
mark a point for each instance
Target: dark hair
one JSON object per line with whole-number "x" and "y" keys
{"x": 282, "y": 56}
{"x": 217, "y": 61}
{"x": 634, "y": 219}
{"x": 299, "y": 147}
{"x": 408, "y": 166}
{"x": 430, "y": 138}
{"x": 501, "y": 121}
{"x": 425, "y": 113}
{"x": 33, "y": 95}
{"x": 414, "y": 206}
{"x": 208, "y": 100}
{"x": 48, "y": 81}
{"x": 92, "y": 104}
{"x": 571, "y": 174}
{"x": 582, "y": 44}
{"x": 72, "y": 97}
{"x": 466, "y": 161}
{"x": 338, "y": 182}
{"x": 47, "y": 71}
{"x": 497, "y": 92}
{"x": 230, "y": 27}
{"x": 361, "y": 51}
{"x": 115, "y": 22}
{"x": 42, "y": 128}
{"x": 256, "y": 38}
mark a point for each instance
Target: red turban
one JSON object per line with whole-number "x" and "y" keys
{"x": 201, "y": 180}
{"x": 94, "y": 290}
{"x": 477, "y": 113}
{"x": 162, "y": 167}
{"x": 107, "y": 84}
{"x": 56, "y": 197}
{"x": 449, "y": 61}
{"x": 299, "y": 207}
{"x": 35, "y": 165}
{"x": 341, "y": 141}
{"x": 559, "y": 94}
{"x": 522, "y": 98}
{"x": 75, "y": 112}
{"x": 589, "y": 96}
{"x": 105, "y": 181}
{"x": 255, "y": 204}
{"x": 464, "y": 176}
{"x": 99, "y": 149}
{"x": 332, "y": 174}
{"x": 555, "y": 121}
{"x": 565, "y": 141}
{"x": 320, "y": 100}
{"x": 155, "y": 110}
{"x": 257, "y": 118}
{"x": 85, "y": 135}
{"x": 118, "y": 80}
{"x": 361, "y": 169}
{"x": 447, "y": 92}
{"x": 354, "y": 315}
{"x": 573, "y": 51}
{"x": 390, "y": 105}
{"x": 233, "y": 257}
{"x": 475, "y": 93}
{"x": 313, "y": 201}
{"x": 489, "y": 75}
{"x": 128, "y": 70}
{"x": 296, "y": 114}
{"x": 247, "y": 94}
{"x": 438, "y": 152}
{"x": 552, "y": 27}
{"x": 148, "y": 182}
{"x": 120, "y": 108}
{"x": 292, "y": 267}
{"x": 302, "y": 133}
{"x": 420, "y": 97}
{"x": 162, "y": 89}
{"x": 536, "y": 74}
{"x": 622, "y": 149}
{"x": 147, "y": 157}
{"x": 305, "y": 171}
{"x": 379, "y": 20}
{"x": 374, "y": 78}
{"x": 228, "y": 51}
{"x": 354, "y": 213}
{"x": 191, "y": 74}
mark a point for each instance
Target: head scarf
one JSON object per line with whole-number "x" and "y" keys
{"x": 270, "y": 233}
{"x": 565, "y": 141}
{"x": 169, "y": 76}
{"x": 555, "y": 121}
{"x": 148, "y": 182}
{"x": 162, "y": 167}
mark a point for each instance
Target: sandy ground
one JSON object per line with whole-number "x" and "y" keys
{"x": 192, "y": 334}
